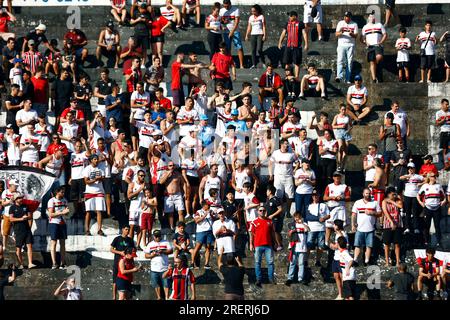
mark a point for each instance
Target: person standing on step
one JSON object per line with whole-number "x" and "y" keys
{"x": 368, "y": 163}
{"x": 294, "y": 31}
{"x": 428, "y": 41}
{"x": 58, "y": 208}
{"x": 126, "y": 268}
{"x": 374, "y": 35}
{"x": 141, "y": 20}
{"x": 413, "y": 182}
{"x": 214, "y": 26}
{"x": 221, "y": 63}
{"x": 136, "y": 195}
{"x": 401, "y": 157}
{"x": 312, "y": 13}
{"x": 203, "y": 234}
{"x": 230, "y": 17}
{"x": 400, "y": 118}
{"x": 377, "y": 187}
{"x": 346, "y": 263}
{"x": 118, "y": 247}
{"x": 182, "y": 278}
{"x": 275, "y": 213}
{"x": 256, "y": 29}
{"x": 298, "y": 251}
{"x": 262, "y": 235}
{"x": 443, "y": 121}
{"x": 233, "y": 273}
{"x": 446, "y": 37}
{"x": 403, "y": 45}
{"x": 342, "y": 126}
{"x": 392, "y": 225}
{"x": 403, "y": 282}
{"x": 338, "y": 226}
{"x": 389, "y": 134}
{"x": 346, "y": 32}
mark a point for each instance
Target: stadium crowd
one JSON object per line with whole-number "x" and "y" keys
{"x": 232, "y": 166}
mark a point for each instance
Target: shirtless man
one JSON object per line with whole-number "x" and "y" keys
{"x": 378, "y": 185}
{"x": 174, "y": 185}
{"x": 118, "y": 152}
{"x": 247, "y": 111}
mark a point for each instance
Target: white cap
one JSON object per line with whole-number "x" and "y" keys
{"x": 411, "y": 165}
{"x": 41, "y": 26}
{"x": 160, "y": 141}
{"x": 194, "y": 128}
{"x": 14, "y": 181}
{"x": 157, "y": 133}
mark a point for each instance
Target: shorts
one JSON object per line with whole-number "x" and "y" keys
{"x": 427, "y": 62}
{"x": 157, "y": 39}
{"x": 23, "y": 238}
{"x": 312, "y": 92}
{"x": 107, "y": 53}
{"x": 388, "y": 156}
{"x": 447, "y": 61}
{"x": 205, "y": 237}
{"x": 134, "y": 217}
{"x": 392, "y": 236}
{"x": 57, "y": 231}
{"x": 237, "y": 42}
{"x": 146, "y": 221}
{"x": 373, "y": 51}
{"x": 349, "y": 288}
{"x": 444, "y": 139}
{"x": 336, "y": 267}
{"x": 193, "y": 181}
{"x": 88, "y": 115}
{"x": 78, "y": 52}
{"x": 284, "y": 186}
{"x": 336, "y": 213}
{"x": 107, "y": 185}
{"x": 227, "y": 84}
{"x": 316, "y": 239}
{"x": 156, "y": 280}
{"x": 95, "y": 204}
{"x": 390, "y": 4}
{"x": 174, "y": 202}
{"x": 143, "y": 41}
{"x": 123, "y": 285}
{"x": 364, "y": 239}
{"x": 403, "y": 64}
{"x": 278, "y": 224}
{"x": 292, "y": 55}
{"x": 307, "y": 18}
{"x": 178, "y": 97}
{"x": 342, "y": 134}
{"x": 76, "y": 189}
{"x": 134, "y": 132}
{"x": 6, "y": 230}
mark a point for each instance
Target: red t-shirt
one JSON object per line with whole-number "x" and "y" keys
{"x": 426, "y": 168}
{"x": 77, "y": 36}
{"x": 40, "y": 90}
{"x": 79, "y": 114}
{"x": 136, "y": 52}
{"x": 53, "y": 147}
{"x": 223, "y": 63}
{"x": 166, "y": 104}
{"x": 132, "y": 81}
{"x": 158, "y": 25}
{"x": 176, "y": 76}
{"x": 262, "y": 232}
{"x": 4, "y": 19}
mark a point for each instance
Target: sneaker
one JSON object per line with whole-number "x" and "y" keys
{"x": 339, "y": 297}
{"x": 207, "y": 266}
{"x": 337, "y": 79}
{"x": 101, "y": 233}
{"x": 279, "y": 248}
{"x": 416, "y": 231}
{"x": 54, "y": 267}
{"x": 253, "y": 67}
{"x": 324, "y": 97}
{"x": 87, "y": 233}
{"x": 258, "y": 284}
{"x": 20, "y": 267}
{"x": 301, "y": 96}
{"x": 421, "y": 81}
{"x": 424, "y": 296}
{"x": 428, "y": 81}
{"x": 406, "y": 231}
{"x": 31, "y": 266}
{"x": 288, "y": 282}
{"x": 375, "y": 81}
{"x": 320, "y": 39}
{"x": 63, "y": 266}
{"x": 444, "y": 295}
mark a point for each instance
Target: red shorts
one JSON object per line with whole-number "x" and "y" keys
{"x": 147, "y": 221}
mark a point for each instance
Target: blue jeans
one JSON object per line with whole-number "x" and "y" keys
{"x": 302, "y": 201}
{"x": 268, "y": 252}
{"x": 345, "y": 56}
{"x": 298, "y": 258}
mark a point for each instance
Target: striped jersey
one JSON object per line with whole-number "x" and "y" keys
{"x": 294, "y": 33}
{"x": 181, "y": 281}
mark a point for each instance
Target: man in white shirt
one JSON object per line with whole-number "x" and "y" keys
{"x": 364, "y": 217}
{"x": 158, "y": 252}
{"x": 368, "y": 163}
{"x": 224, "y": 230}
{"x": 230, "y": 17}
{"x": 443, "y": 121}
{"x": 346, "y": 32}
{"x": 25, "y": 116}
{"x": 373, "y": 35}
{"x": 316, "y": 215}
{"x": 400, "y": 118}
{"x": 357, "y": 96}
{"x": 30, "y": 144}
{"x": 428, "y": 42}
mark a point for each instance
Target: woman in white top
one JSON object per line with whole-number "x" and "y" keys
{"x": 342, "y": 126}
{"x": 213, "y": 25}
{"x": 257, "y": 29}
{"x": 305, "y": 180}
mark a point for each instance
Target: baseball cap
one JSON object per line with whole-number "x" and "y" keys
{"x": 41, "y": 27}
{"x": 348, "y": 14}
{"x": 143, "y": 5}
{"x": 14, "y": 181}
{"x": 110, "y": 24}
{"x": 428, "y": 157}
{"x": 234, "y": 112}
{"x": 203, "y": 117}
{"x": 358, "y": 78}
{"x": 17, "y": 60}
{"x": 159, "y": 141}
{"x": 336, "y": 174}
{"x": 226, "y": 1}
{"x": 17, "y": 195}
{"x": 31, "y": 41}
{"x": 220, "y": 210}
{"x": 411, "y": 165}
{"x": 157, "y": 233}
{"x": 157, "y": 133}
{"x": 9, "y": 126}
{"x": 315, "y": 192}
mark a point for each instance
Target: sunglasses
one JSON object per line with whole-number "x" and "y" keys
{"x": 55, "y": 138}
{"x": 142, "y": 175}
{"x": 261, "y": 210}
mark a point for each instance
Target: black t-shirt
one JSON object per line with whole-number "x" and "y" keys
{"x": 180, "y": 238}
{"x": 402, "y": 285}
{"x": 63, "y": 91}
{"x": 120, "y": 244}
{"x": 272, "y": 205}
{"x": 104, "y": 88}
{"x": 82, "y": 90}
{"x": 230, "y": 208}
{"x": 11, "y": 114}
{"x": 398, "y": 155}
{"x": 38, "y": 38}
{"x": 19, "y": 212}
{"x": 142, "y": 28}
{"x": 234, "y": 278}
{"x": 28, "y": 90}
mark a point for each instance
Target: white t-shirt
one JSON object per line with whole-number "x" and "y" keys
{"x": 346, "y": 28}
{"x": 305, "y": 187}
{"x": 225, "y": 242}
{"x": 104, "y": 165}
{"x": 357, "y": 95}
{"x": 344, "y": 260}
{"x": 16, "y": 74}
{"x": 252, "y": 213}
{"x": 167, "y": 13}
{"x": 78, "y": 162}
{"x": 12, "y": 149}
{"x": 432, "y": 194}
{"x": 290, "y": 127}
{"x": 206, "y": 224}
{"x": 158, "y": 263}
{"x": 302, "y": 149}
{"x": 319, "y": 210}
{"x": 57, "y": 205}
{"x": 373, "y": 32}
{"x": 336, "y": 190}
{"x": 440, "y": 115}
{"x": 257, "y": 24}
{"x": 229, "y": 17}
{"x": 26, "y": 116}
{"x": 403, "y": 53}
{"x": 139, "y": 98}
{"x": 222, "y": 121}
{"x": 329, "y": 145}
{"x": 365, "y": 223}
{"x": 32, "y": 153}
{"x": 184, "y": 114}
{"x": 214, "y": 22}
{"x": 69, "y": 131}
{"x": 145, "y": 131}
{"x": 283, "y": 163}
{"x": 91, "y": 172}
{"x": 300, "y": 244}
{"x": 411, "y": 185}
{"x": 430, "y": 49}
